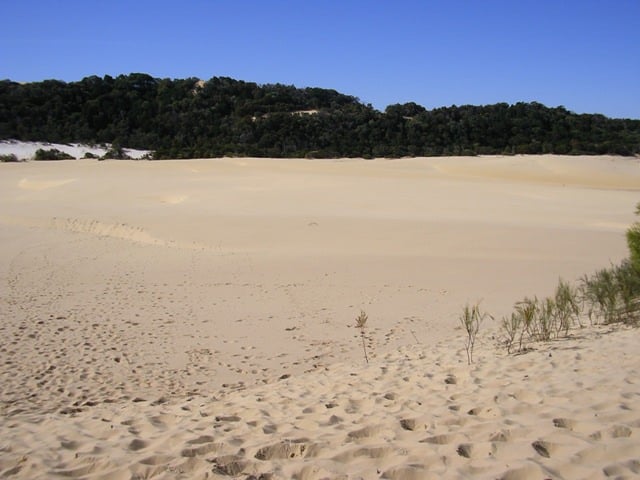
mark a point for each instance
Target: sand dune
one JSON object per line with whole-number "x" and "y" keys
{"x": 27, "y": 150}
{"x": 194, "y": 319}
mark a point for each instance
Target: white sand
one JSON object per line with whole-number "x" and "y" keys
{"x": 194, "y": 319}
{"x": 27, "y": 150}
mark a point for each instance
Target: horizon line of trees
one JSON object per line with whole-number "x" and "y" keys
{"x": 190, "y": 118}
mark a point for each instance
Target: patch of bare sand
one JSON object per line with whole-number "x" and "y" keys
{"x": 607, "y": 172}
{"x": 27, "y": 184}
{"x": 214, "y": 336}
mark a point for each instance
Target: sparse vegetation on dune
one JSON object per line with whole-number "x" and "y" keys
{"x": 115, "y": 153}
{"x": 633, "y": 241}
{"x": 608, "y": 296}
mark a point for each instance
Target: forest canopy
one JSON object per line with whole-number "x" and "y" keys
{"x": 191, "y": 118}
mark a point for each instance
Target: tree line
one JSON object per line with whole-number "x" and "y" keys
{"x": 191, "y": 118}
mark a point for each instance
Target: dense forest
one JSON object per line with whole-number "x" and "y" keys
{"x": 189, "y": 118}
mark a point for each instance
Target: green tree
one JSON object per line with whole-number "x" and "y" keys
{"x": 190, "y": 117}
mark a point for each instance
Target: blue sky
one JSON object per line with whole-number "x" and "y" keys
{"x": 582, "y": 54}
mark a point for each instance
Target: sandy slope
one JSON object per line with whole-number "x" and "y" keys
{"x": 568, "y": 410}
{"x": 196, "y": 317}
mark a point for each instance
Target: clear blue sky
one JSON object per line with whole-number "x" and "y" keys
{"x": 583, "y": 54}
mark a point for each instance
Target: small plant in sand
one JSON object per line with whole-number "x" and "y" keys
{"x": 628, "y": 281}
{"x": 471, "y": 319}
{"x": 361, "y": 322}
{"x": 545, "y": 319}
{"x": 527, "y": 309}
{"x": 523, "y": 324}
{"x": 567, "y": 307}
{"x": 512, "y": 328}
{"x": 599, "y": 292}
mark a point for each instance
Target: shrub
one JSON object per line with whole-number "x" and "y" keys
{"x": 9, "y": 158}
{"x": 567, "y": 307}
{"x": 600, "y": 293}
{"x": 471, "y": 319}
{"x": 627, "y": 279}
{"x": 633, "y": 241}
{"x": 512, "y": 327}
{"x": 527, "y": 310}
{"x": 545, "y": 319}
{"x": 116, "y": 153}
{"x": 52, "y": 154}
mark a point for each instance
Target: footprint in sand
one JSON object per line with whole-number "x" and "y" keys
{"x": 477, "y": 450}
{"x": 202, "y": 445}
{"x": 230, "y": 465}
{"x": 286, "y": 449}
{"x": 137, "y": 444}
{"x": 443, "y": 439}
{"x": 367, "y": 452}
